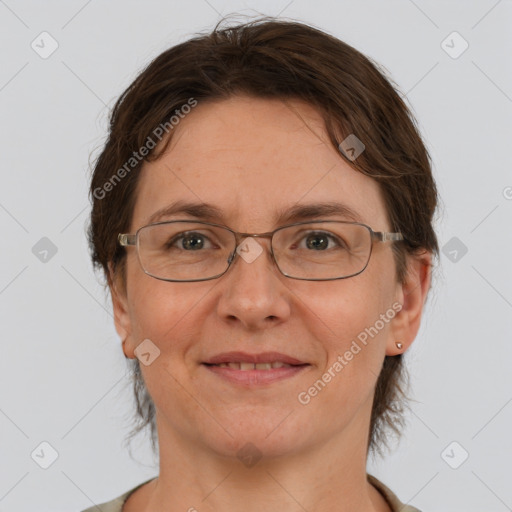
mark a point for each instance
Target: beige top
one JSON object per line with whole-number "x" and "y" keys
{"x": 396, "y": 505}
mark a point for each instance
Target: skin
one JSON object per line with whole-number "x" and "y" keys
{"x": 252, "y": 157}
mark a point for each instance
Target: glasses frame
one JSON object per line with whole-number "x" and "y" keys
{"x": 132, "y": 239}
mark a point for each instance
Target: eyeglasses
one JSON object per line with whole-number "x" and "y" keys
{"x": 323, "y": 250}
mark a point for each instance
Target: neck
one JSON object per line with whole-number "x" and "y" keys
{"x": 330, "y": 477}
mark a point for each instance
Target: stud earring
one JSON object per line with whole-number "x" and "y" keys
{"x": 398, "y": 345}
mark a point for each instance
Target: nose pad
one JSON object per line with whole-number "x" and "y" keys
{"x": 231, "y": 257}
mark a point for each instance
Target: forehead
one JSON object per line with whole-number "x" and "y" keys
{"x": 253, "y": 159}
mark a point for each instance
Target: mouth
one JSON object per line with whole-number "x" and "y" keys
{"x": 244, "y": 366}
{"x": 254, "y": 369}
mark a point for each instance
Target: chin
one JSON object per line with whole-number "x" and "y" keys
{"x": 266, "y": 439}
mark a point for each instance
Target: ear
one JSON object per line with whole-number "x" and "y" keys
{"x": 122, "y": 319}
{"x": 412, "y": 295}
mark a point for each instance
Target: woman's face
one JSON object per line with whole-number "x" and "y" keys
{"x": 252, "y": 159}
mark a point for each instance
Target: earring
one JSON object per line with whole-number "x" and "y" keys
{"x": 398, "y": 345}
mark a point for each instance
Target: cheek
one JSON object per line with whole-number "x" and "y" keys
{"x": 351, "y": 321}
{"x": 153, "y": 305}
{"x": 169, "y": 314}
{"x": 340, "y": 310}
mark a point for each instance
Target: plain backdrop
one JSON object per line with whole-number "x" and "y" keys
{"x": 63, "y": 375}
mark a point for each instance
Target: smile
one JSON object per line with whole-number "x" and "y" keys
{"x": 250, "y": 375}
{"x": 253, "y": 366}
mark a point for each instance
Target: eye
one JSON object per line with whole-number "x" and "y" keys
{"x": 189, "y": 241}
{"x": 322, "y": 240}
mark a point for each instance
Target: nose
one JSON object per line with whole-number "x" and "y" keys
{"x": 252, "y": 292}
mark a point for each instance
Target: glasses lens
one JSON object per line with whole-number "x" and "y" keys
{"x": 323, "y": 250}
{"x": 184, "y": 251}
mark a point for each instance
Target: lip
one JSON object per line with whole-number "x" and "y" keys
{"x": 244, "y": 357}
{"x": 251, "y": 378}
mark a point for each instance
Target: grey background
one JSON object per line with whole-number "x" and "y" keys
{"x": 63, "y": 374}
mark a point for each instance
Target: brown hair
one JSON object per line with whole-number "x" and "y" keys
{"x": 270, "y": 58}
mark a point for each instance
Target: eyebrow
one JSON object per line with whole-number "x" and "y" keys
{"x": 297, "y": 213}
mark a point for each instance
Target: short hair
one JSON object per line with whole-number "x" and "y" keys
{"x": 273, "y": 59}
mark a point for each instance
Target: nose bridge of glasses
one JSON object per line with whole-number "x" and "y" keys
{"x": 267, "y": 234}
{"x": 240, "y": 237}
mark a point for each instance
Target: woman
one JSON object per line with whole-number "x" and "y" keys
{"x": 262, "y": 211}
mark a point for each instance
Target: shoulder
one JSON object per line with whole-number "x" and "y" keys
{"x": 392, "y": 499}
{"x": 115, "y": 505}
